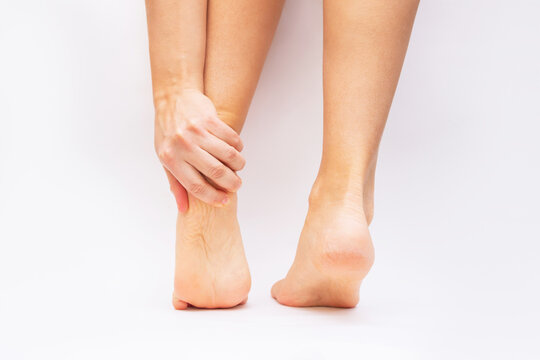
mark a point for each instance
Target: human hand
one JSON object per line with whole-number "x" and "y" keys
{"x": 200, "y": 153}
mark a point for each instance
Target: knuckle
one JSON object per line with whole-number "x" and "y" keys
{"x": 237, "y": 142}
{"x": 178, "y": 137}
{"x": 165, "y": 154}
{"x": 197, "y": 188}
{"x": 193, "y": 125}
{"x": 231, "y": 154}
{"x": 181, "y": 141}
{"x": 209, "y": 120}
{"x": 216, "y": 172}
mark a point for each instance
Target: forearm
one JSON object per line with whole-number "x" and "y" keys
{"x": 177, "y": 38}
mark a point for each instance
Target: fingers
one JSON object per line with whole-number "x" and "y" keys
{"x": 225, "y": 132}
{"x": 202, "y": 162}
{"x": 179, "y": 192}
{"x": 224, "y": 152}
{"x": 195, "y": 184}
{"x": 214, "y": 170}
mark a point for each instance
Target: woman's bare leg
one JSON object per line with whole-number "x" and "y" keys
{"x": 211, "y": 268}
{"x": 364, "y": 46}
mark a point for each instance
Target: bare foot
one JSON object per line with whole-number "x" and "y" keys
{"x": 334, "y": 255}
{"x": 211, "y": 267}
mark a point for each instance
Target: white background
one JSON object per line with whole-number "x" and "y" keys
{"x": 87, "y": 222}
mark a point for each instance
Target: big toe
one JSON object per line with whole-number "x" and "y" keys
{"x": 179, "y": 304}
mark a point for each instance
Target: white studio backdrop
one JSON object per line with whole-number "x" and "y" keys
{"x": 87, "y": 222}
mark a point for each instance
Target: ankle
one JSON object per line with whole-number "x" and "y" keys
{"x": 326, "y": 192}
{"x": 356, "y": 196}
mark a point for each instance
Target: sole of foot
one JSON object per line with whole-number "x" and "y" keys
{"x": 211, "y": 269}
{"x": 334, "y": 254}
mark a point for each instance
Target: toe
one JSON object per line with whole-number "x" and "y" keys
{"x": 179, "y": 304}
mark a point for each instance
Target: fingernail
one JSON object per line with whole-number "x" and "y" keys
{"x": 225, "y": 201}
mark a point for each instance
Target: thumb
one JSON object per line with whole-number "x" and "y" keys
{"x": 179, "y": 192}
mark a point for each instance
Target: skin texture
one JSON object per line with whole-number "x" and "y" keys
{"x": 211, "y": 267}
{"x": 364, "y": 47}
